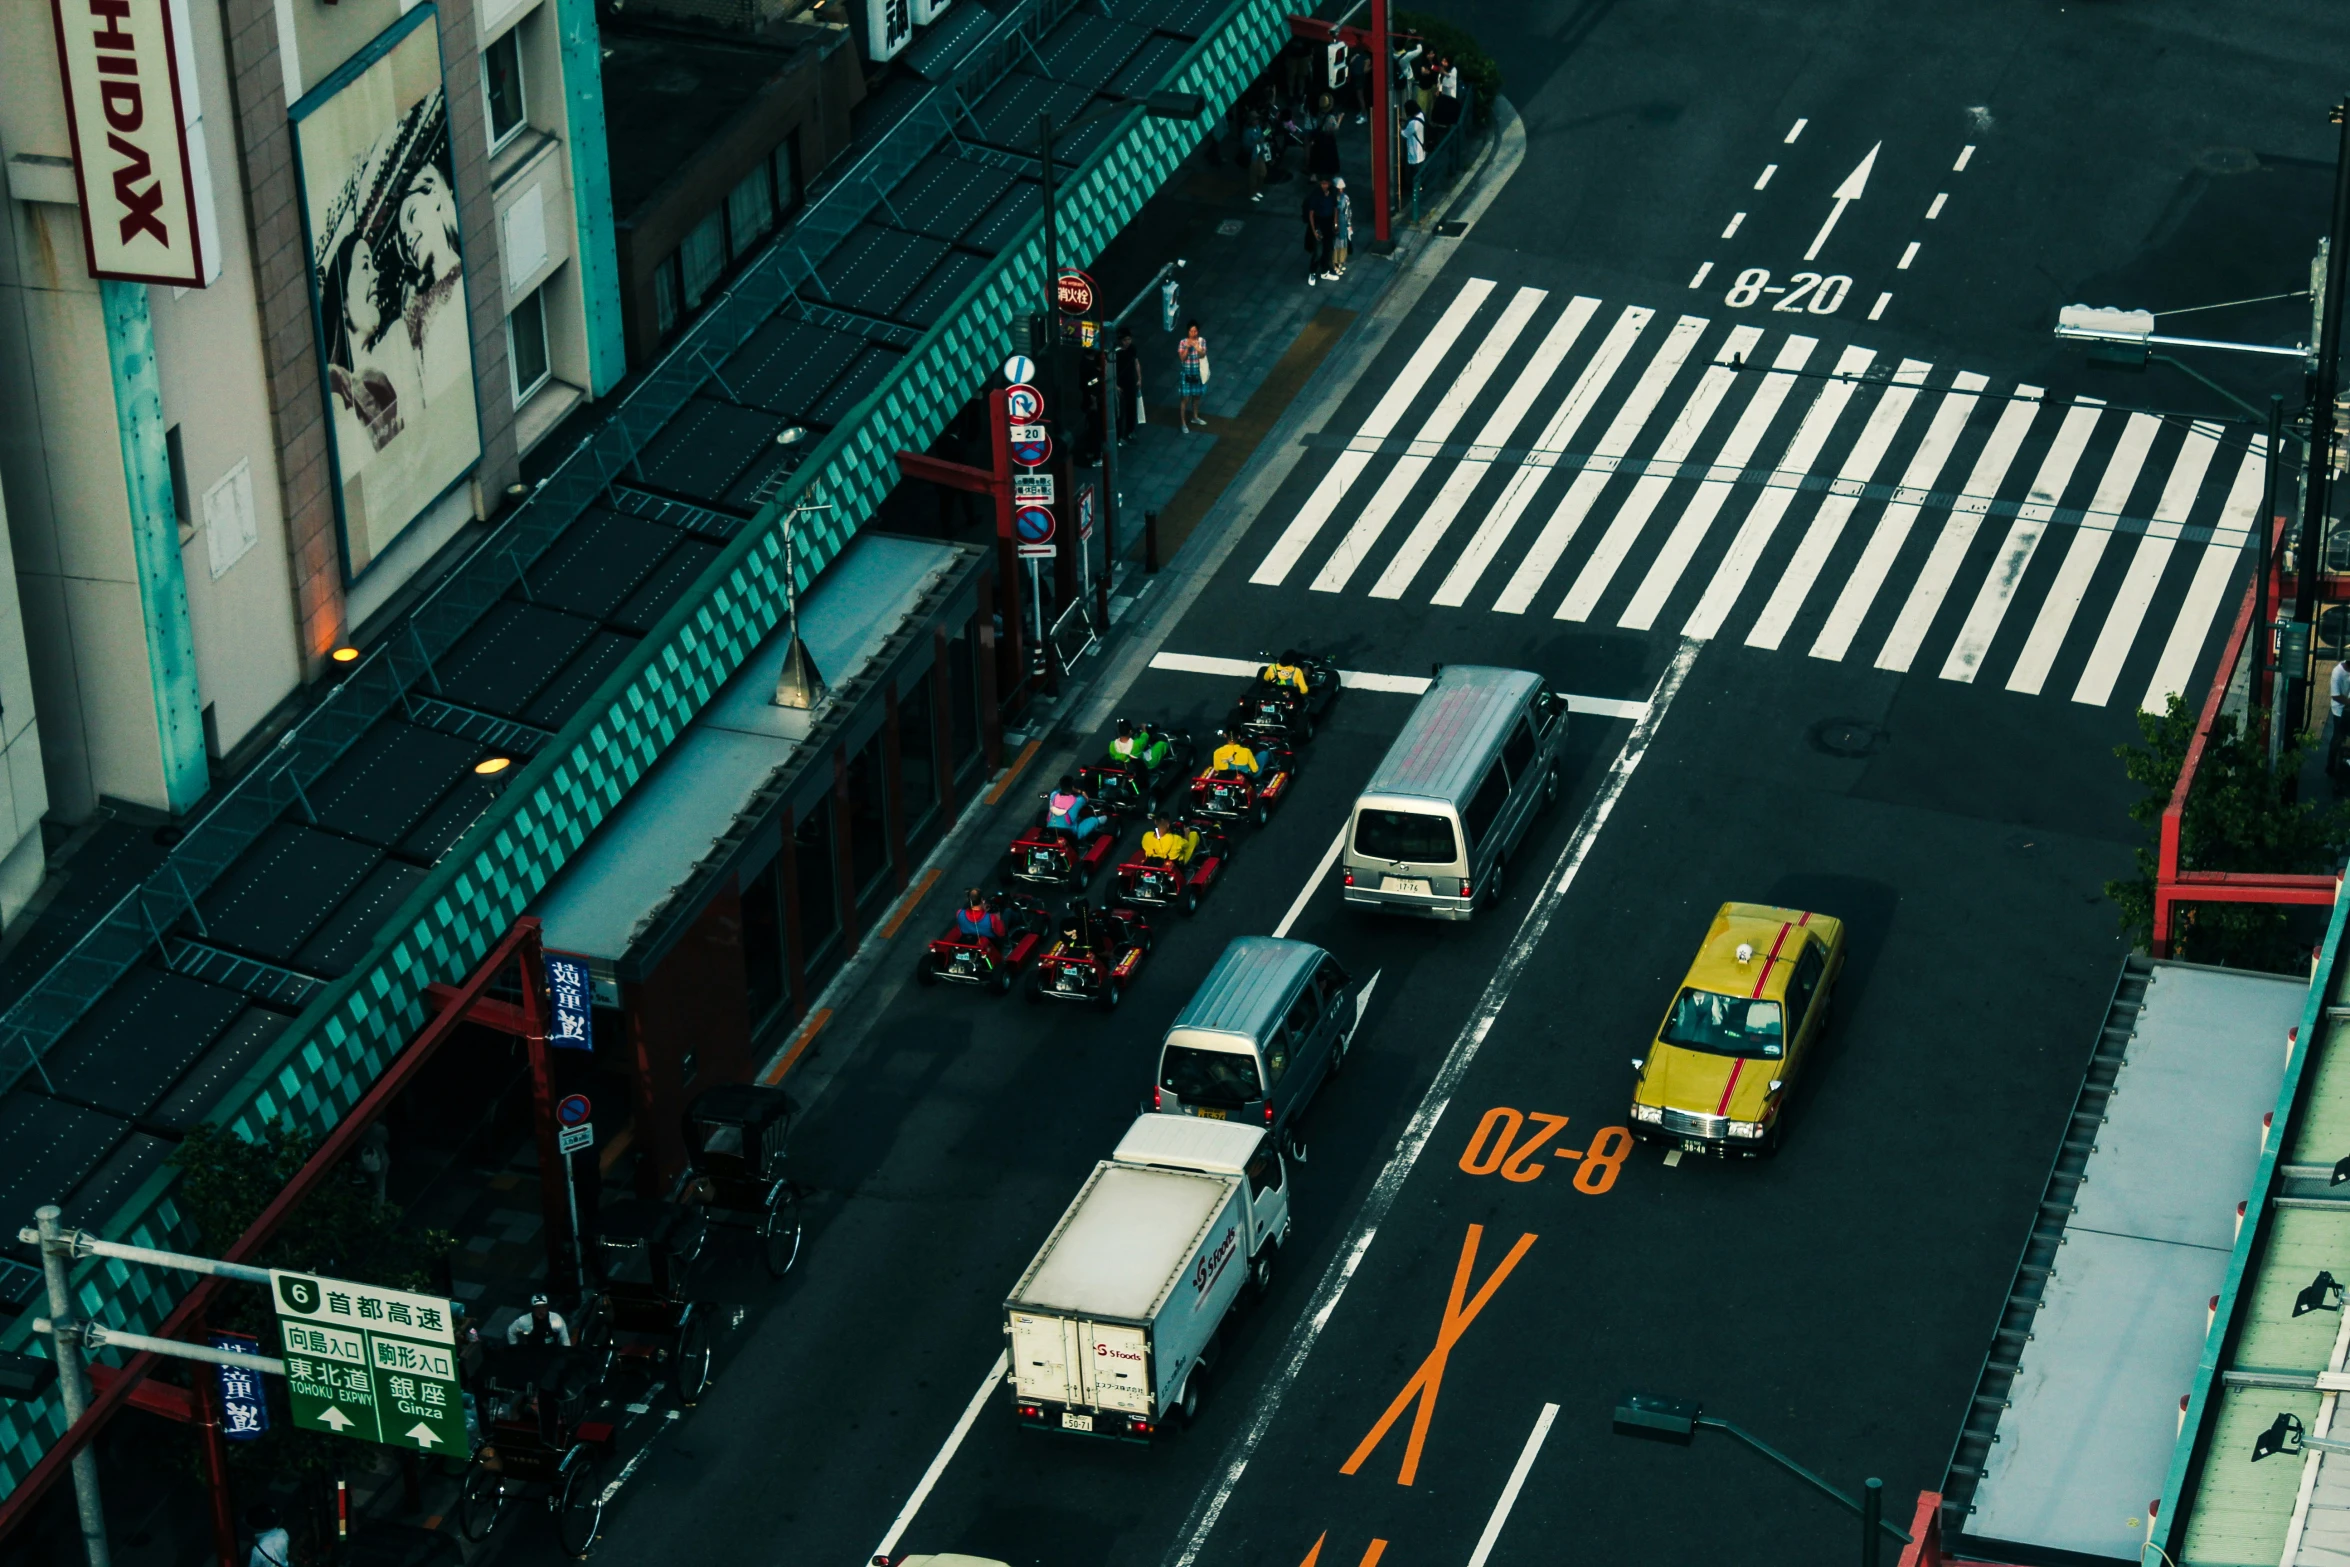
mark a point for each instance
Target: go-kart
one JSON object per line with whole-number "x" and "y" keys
{"x": 1098, "y": 968}
{"x": 962, "y": 959}
{"x": 1233, "y": 796}
{"x": 1282, "y": 712}
{"x": 1163, "y": 884}
{"x": 1055, "y": 857}
{"x": 1127, "y": 789}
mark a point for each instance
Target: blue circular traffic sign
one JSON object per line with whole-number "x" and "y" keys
{"x": 1031, "y": 450}
{"x": 1034, "y": 524}
{"x": 572, "y": 1109}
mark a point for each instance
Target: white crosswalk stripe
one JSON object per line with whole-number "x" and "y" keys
{"x": 1894, "y": 493}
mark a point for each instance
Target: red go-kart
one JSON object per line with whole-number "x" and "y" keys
{"x": 963, "y": 959}
{"x": 1164, "y": 884}
{"x": 1056, "y": 857}
{"x": 1233, "y": 796}
{"x": 1094, "y": 957}
{"x": 1124, "y": 789}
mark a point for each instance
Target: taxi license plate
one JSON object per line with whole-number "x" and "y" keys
{"x": 1214, "y": 1115}
{"x": 1072, "y": 1421}
{"x": 1412, "y": 884}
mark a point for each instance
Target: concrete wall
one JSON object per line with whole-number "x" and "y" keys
{"x": 24, "y": 791}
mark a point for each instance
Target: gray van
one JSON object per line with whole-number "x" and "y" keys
{"x": 1452, "y": 797}
{"x": 1269, "y": 1023}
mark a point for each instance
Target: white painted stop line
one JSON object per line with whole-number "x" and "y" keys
{"x": 1399, "y": 685}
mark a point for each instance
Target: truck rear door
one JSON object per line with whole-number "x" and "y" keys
{"x": 1119, "y": 1363}
{"x": 1044, "y": 1361}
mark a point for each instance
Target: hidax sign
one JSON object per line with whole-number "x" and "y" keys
{"x": 120, "y": 65}
{"x": 368, "y": 1362}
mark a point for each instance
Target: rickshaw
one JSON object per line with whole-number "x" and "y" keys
{"x": 537, "y": 1400}
{"x": 642, "y": 1314}
{"x": 734, "y": 1140}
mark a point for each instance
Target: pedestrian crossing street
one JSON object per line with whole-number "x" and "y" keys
{"x": 1617, "y": 465}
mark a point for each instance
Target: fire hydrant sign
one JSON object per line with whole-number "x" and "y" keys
{"x": 376, "y": 1364}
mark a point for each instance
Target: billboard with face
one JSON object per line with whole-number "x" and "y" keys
{"x": 388, "y": 287}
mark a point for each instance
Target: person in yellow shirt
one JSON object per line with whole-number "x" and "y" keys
{"x": 1164, "y": 842}
{"x": 1232, "y": 756}
{"x": 1287, "y": 672}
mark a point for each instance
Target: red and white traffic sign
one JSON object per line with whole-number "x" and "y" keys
{"x": 1073, "y": 291}
{"x": 1032, "y": 447}
{"x": 1024, "y": 404}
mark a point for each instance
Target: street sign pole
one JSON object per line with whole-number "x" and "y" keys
{"x": 578, "y": 1241}
{"x": 56, "y": 1249}
{"x": 578, "y": 1134}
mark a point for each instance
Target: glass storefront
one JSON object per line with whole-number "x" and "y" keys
{"x": 818, "y": 886}
{"x": 963, "y": 698}
{"x": 868, "y": 799}
{"x": 763, "y": 960}
{"x": 917, "y": 754}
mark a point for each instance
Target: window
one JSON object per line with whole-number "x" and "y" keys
{"x": 1518, "y": 750}
{"x": 763, "y": 965}
{"x": 1485, "y": 806}
{"x": 1725, "y": 1025}
{"x": 917, "y": 752}
{"x": 1547, "y": 708}
{"x": 1264, "y": 1173}
{"x": 868, "y": 788}
{"x": 175, "y": 458}
{"x": 1225, "y": 1078}
{"x": 701, "y": 259}
{"x": 501, "y": 84}
{"x": 1803, "y": 985}
{"x": 750, "y": 212}
{"x": 1304, "y": 1013}
{"x": 785, "y": 163}
{"x": 1329, "y": 983}
{"x": 667, "y": 306}
{"x": 819, "y": 896}
{"x": 963, "y": 699}
{"x": 526, "y": 345}
{"x": 1411, "y": 837}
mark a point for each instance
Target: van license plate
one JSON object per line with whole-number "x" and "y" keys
{"x": 1072, "y": 1421}
{"x": 1412, "y": 884}
{"x": 1213, "y": 1115}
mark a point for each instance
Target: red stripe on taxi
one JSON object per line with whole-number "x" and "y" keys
{"x": 1730, "y": 1087}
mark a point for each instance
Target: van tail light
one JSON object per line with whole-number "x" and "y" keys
{"x": 1268, "y": 1112}
{"x": 1158, "y": 1099}
{"x": 1467, "y": 891}
{"x": 1350, "y": 878}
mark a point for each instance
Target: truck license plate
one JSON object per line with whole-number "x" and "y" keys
{"x": 1073, "y": 1421}
{"x": 1412, "y": 884}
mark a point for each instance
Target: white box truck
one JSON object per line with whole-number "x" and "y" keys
{"x": 1114, "y": 1324}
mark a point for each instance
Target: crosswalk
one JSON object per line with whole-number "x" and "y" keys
{"x": 1617, "y": 465}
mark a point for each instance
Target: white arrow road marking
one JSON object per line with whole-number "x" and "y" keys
{"x": 425, "y": 1435}
{"x": 335, "y": 1418}
{"x": 1846, "y": 194}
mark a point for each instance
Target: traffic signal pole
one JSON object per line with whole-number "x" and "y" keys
{"x": 56, "y": 1250}
{"x": 1382, "y": 125}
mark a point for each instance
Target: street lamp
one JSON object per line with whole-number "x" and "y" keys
{"x": 1675, "y": 1420}
{"x": 798, "y": 683}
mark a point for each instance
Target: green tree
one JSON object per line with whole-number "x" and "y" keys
{"x": 2241, "y": 815}
{"x": 338, "y": 1229}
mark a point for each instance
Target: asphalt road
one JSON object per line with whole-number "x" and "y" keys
{"x": 1837, "y": 1300}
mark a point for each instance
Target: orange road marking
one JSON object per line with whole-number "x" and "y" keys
{"x": 816, "y": 1021}
{"x": 1428, "y": 1381}
{"x": 908, "y": 903}
{"x": 1515, "y": 1167}
{"x": 1315, "y": 1554}
{"x": 995, "y": 796}
{"x": 1372, "y": 1553}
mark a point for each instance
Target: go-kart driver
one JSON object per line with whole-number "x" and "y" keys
{"x": 1287, "y": 672}
{"x": 1233, "y": 755}
{"x": 1165, "y": 842}
{"x": 1068, "y": 809}
{"x": 1139, "y": 743}
{"x": 1081, "y": 931}
{"x": 979, "y": 920}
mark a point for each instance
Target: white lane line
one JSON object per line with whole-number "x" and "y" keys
{"x": 1762, "y": 519}
{"x": 1455, "y": 1066}
{"x": 2215, "y": 573}
{"x": 1703, "y": 268}
{"x": 1736, "y": 218}
{"x": 1435, "y": 430}
{"x": 1499, "y": 428}
{"x": 1958, "y": 533}
{"x": 1827, "y": 524}
{"x": 1680, "y": 547}
{"x": 1795, "y": 130}
{"x": 2073, "y": 575}
{"x": 1394, "y": 685}
{"x": 1305, "y": 894}
{"x": 1878, "y": 308}
{"x": 1965, "y": 156}
{"x": 1764, "y": 178}
{"x": 1884, "y": 547}
{"x": 1486, "y": 542}
{"x": 1935, "y": 210}
{"x": 946, "y": 1454}
{"x": 1549, "y": 544}
{"x": 2127, "y": 614}
{"x": 2023, "y": 538}
{"x": 1527, "y": 1454}
{"x": 1907, "y": 257}
{"x": 1392, "y": 405}
{"x": 1623, "y": 529}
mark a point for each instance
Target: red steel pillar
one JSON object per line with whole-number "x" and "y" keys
{"x": 1382, "y": 125}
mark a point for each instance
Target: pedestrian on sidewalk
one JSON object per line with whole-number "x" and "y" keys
{"x": 272, "y": 1546}
{"x": 1191, "y": 362}
{"x": 1257, "y": 148}
{"x": 1448, "y": 93}
{"x": 1322, "y": 149}
{"x": 1321, "y": 220}
{"x": 1342, "y": 226}
{"x": 1358, "y": 82}
{"x": 2338, "y": 703}
{"x": 1129, "y": 385}
{"x": 1415, "y": 150}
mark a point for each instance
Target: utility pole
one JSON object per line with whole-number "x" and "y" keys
{"x": 56, "y": 1253}
{"x": 2324, "y": 386}
{"x": 1382, "y": 126}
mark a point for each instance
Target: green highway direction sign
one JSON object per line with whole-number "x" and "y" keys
{"x": 376, "y": 1364}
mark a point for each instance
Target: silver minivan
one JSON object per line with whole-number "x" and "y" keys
{"x": 1436, "y": 826}
{"x": 1269, "y": 1024}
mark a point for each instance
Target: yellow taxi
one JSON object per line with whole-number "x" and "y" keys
{"x": 1745, "y": 1021}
